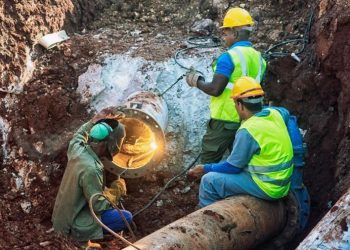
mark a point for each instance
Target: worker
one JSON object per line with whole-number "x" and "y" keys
{"x": 101, "y": 137}
{"x": 241, "y": 59}
{"x": 260, "y": 163}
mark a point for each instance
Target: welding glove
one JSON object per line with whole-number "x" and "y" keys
{"x": 192, "y": 78}
{"x": 116, "y": 190}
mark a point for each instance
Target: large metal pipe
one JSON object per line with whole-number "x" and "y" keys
{"x": 240, "y": 222}
{"x": 145, "y": 122}
{"x": 333, "y": 231}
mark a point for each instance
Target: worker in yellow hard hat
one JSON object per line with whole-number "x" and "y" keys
{"x": 260, "y": 163}
{"x": 241, "y": 59}
{"x": 102, "y": 137}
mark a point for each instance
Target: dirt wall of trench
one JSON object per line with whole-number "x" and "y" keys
{"x": 23, "y": 23}
{"x": 317, "y": 91}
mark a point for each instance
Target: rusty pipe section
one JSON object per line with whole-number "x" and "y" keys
{"x": 150, "y": 104}
{"x": 333, "y": 231}
{"x": 240, "y": 222}
{"x": 144, "y": 146}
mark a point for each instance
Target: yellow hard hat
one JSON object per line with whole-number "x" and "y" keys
{"x": 246, "y": 87}
{"x": 236, "y": 17}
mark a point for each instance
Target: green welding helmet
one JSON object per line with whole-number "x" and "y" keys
{"x": 111, "y": 131}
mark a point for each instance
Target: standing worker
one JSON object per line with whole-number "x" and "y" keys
{"x": 241, "y": 59}
{"x": 261, "y": 161}
{"x": 83, "y": 177}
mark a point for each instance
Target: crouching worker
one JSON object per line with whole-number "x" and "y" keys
{"x": 83, "y": 177}
{"x": 260, "y": 163}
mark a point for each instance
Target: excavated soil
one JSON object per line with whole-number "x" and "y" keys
{"x": 40, "y": 108}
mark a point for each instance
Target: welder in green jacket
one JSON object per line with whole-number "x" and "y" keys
{"x": 241, "y": 59}
{"x": 83, "y": 177}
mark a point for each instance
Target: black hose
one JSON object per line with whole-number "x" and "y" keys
{"x": 165, "y": 187}
{"x": 305, "y": 40}
{"x": 198, "y": 42}
{"x": 172, "y": 85}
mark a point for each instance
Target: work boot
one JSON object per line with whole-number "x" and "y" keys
{"x": 92, "y": 246}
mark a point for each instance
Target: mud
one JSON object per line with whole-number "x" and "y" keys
{"x": 317, "y": 92}
{"x": 40, "y": 107}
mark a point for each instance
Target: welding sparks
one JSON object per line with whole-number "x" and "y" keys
{"x": 154, "y": 146}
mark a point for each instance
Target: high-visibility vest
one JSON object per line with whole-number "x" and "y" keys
{"x": 247, "y": 62}
{"x": 271, "y": 168}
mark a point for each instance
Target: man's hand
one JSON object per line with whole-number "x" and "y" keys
{"x": 192, "y": 78}
{"x": 108, "y": 113}
{"x": 117, "y": 190}
{"x": 120, "y": 185}
{"x": 196, "y": 172}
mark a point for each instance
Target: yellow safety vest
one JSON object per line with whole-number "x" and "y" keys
{"x": 272, "y": 168}
{"x": 247, "y": 62}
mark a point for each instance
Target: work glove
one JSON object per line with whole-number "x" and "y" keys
{"x": 116, "y": 190}
{"x": 192, "y": 78}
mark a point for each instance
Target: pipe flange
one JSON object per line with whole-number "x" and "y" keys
{"x": 113, "y": 168}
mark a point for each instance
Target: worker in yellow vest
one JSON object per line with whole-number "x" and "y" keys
{"x": 261, "y": 161}
{"x": 241, "y": 59}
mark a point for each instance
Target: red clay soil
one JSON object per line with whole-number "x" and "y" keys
{"x": 317, "y": 92}
{"x": 44, "y": 116}
{"x": 24, "y": 22}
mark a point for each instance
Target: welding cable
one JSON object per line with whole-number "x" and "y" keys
{"x": 205, "y": 41}
{"x": 268, "y": 54}
{"x": 165, "y": 187}
{"x": 121, "y": 215}
{"x": 122, "y": 206}
{"x": 107, "y": 228}
{"x": 172, "y": 85}
{"x": 197, "y": 42}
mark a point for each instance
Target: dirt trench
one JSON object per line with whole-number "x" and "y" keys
{"x": 40, "y": 108}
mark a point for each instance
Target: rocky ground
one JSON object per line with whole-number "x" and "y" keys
{"x": 40, "y": 108}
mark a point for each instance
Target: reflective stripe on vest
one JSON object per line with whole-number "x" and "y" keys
{"x": 247, "y": 62}
{"x": 244, "y": 64}
{"x": 270, "y": 180}
{"x": 272, "y": 167}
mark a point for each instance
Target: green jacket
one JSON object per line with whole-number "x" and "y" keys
{"x": 82, "y": 178}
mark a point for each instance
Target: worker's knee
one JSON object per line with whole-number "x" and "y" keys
{"x": 127, "y": 215}
{"x": 114, "y": 220}
{"x": 208, "y": 181}
{"x": 207, "y": 190}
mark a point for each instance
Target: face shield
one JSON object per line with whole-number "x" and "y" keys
{"x": 111, "y": 132}
{"x": 115, "y": 140}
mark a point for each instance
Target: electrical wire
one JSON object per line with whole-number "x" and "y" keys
{"x": 198, "y": 42}
{"x": 268, "y": 54}
{"x": 166, "y": 186}
{"x": 107, "y": 228}
{"x": 172, "y": 85}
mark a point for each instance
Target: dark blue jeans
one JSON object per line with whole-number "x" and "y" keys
{"x": 112, "y": 219}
